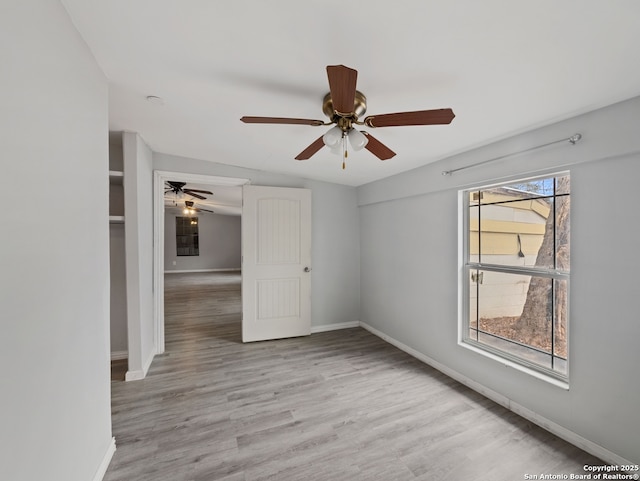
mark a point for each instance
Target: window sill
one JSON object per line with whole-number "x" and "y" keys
{"x": 519, "y": 367}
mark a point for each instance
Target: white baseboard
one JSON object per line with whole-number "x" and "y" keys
{"x": 119, "y": 355}
{"x": 139, "y": 374}
{"x": 569, "y": 436}
{"x": 102, "y": 469}
{"x": 334, "y": 327}
{"x": 479, "y": 388}
{"x": 136, "y": 375}
{"x": 189, "y": 271}
{"x": 560, "y": 431}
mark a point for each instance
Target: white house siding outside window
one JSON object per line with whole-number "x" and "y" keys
{"x": 516, "y": 272}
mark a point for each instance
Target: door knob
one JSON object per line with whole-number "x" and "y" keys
{"x": 307, "y": 269}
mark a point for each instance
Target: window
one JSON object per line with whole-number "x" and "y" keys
{"x": 516, "y": 268}
{"x": 187, "y": 236}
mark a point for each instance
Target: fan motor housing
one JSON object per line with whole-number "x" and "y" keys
{"x": 359, "y": 106}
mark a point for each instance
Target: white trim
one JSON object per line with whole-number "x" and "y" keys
{"x": 140, "y": 373}
{"x": 569, "y": 436}
{"x": 119, "y": 355}
{"x": 159, "y": 178}
{"x": 560, "y": 431}
{"x": 189, "y": 271}
{"x": 134, "y": 375}
{"x": 106, "y": 459}
{"x": 334, "y": 327}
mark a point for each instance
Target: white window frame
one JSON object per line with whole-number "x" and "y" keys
{"x": 465, "y": 270}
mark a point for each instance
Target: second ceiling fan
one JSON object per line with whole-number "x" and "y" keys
{"x": 180, "y": 188}
{"x": 344, "y": 105}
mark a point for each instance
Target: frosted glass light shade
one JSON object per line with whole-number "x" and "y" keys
{"x": 332, "y": 137}
{"x": 357, "y": 139}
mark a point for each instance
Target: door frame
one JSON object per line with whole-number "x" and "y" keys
{"x": 159, "y": 178}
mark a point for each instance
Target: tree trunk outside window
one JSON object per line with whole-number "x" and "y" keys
{"x": 534, "y": 325}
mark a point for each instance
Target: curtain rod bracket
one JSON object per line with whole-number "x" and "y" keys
{"x": 575, "y": 138}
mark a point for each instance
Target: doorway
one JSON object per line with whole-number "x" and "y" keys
{"x": 160, "y": 180}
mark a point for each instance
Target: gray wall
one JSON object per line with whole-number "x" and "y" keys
{"x": 335, "y": 282}
{"x": 138, "y": 213}
{"x": 410, "y": 238}
{"x": 219, "y": 238}
{"x": 54, "y": 261}
{"x": 118, "y": 283}
{"x": 118, "y": 297}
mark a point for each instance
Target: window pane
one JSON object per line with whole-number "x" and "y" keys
{"x": 473, "y": 237}
{"x": 563, "y": 185}
{"x": 563, "y": 225}
{"x": 512, "y": 233}
{"x": 561, "y": 316}
{"x": 518, "y": 191}
{"x": 502, "y": 299}
{"x": 515, "y": 315}
{"x": 187, "y": 242}
{"x": 474, "y": 197}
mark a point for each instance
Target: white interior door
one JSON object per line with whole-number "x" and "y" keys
{"x": 276, "y": 265}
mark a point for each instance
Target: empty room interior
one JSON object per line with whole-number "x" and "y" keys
{"x": 330, "y": 241}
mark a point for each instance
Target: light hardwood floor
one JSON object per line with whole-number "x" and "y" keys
{"x": 340, "y": 405}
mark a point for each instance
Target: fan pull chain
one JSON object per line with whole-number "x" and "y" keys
{"x": 344, "y": 149}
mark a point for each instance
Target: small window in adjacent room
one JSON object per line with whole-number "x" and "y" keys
{"x": 516, "y": 268}
{"x": 187, "y": 236}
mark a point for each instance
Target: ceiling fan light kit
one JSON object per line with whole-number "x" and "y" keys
{"x": 191, "y": 209}
{"x": 344, "y": 105}
{"x": 357, "y": 139}
{"x": 333, "y": 137}
{"x": 188, "y": 208}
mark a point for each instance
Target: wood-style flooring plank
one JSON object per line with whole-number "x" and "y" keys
{"x": 340, "y": 405}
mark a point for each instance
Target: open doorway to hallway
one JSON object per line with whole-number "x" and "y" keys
{"x": 203, "y": 258}
{"x": 214, "y": 204}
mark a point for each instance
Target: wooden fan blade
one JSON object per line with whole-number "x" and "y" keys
{"x": 205, "y": 210}
{"x": 198, "y": 190}
{"x": 280, "y": 120}
{"x": 342, "y": 84}
{"x": 197, "y": 196}
{"x": 312, "y": 149}
{"x": 377, "y": 148}
{"x": 419, "y": 117}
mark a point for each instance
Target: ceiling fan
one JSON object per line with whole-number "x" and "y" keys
{"x": 344, "y": 105}
{"x": 179, "y": 188}
{"x": 191, "y": 209}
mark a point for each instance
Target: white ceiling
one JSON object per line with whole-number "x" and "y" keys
{"x": 503, "y": 66}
